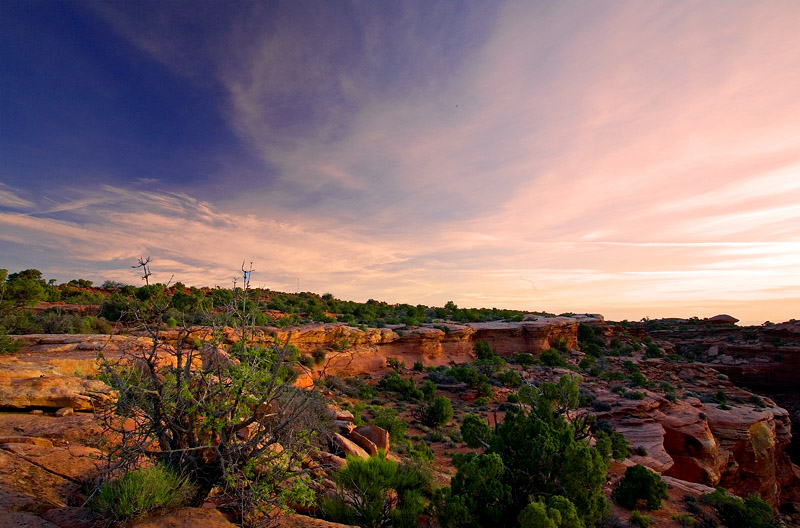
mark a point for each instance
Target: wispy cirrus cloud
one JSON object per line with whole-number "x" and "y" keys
{"x": 622, "y": 157}
{"x": 10, "y": 197}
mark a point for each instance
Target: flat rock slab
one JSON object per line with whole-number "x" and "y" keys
{"x": 77, "y": 428}
{"x": 24, "y": 478}
{"x": 76, "y": 463}
{"x": 185, "y": 517}
{"x": 53, "y": 392}
{"x": 24, "y": 520}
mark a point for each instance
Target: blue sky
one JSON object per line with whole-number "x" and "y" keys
{"x": 628, "y": 158}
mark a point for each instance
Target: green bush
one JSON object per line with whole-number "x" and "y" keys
{"x": 418, "y": 366}
{"x": 640, "y": 483}
{"x": 475, "y": 431}
{"x": 752, "y": 512}
{"x": 639, "y": 519}
{"x": 483, "y": 351}
{"x": 552, "y": 358}
{"x": 377, "y": 493}
{"x": 493, "y": 488}
{"x": 510, "y": 378}
{"x": 141, "y": 491}
{"x": 438, "y": 412}
{"x": 394, "y": 382}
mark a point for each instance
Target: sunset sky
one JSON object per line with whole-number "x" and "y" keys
{"x": 630, "y": 158}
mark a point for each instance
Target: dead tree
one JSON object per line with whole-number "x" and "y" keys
{"x": 144, "y": 263}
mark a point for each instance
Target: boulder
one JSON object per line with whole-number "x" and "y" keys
{"x": 337, "y": 413}
{"x": 364, "y": 443}
{"x": 348, "y": 447}
{"x": 376, "y": 435}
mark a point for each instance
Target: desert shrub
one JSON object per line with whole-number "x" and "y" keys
{"x": 485, "y": 390}
{"x": 639, "y": 519}
{"x": 483, "y": 351}
{"x": 588, "y": 362}
{"x": 418, "y": 366}
{"x": 557, "y": 512}
{"x": 640, "y": 483}
{"x": 620, "y": 449}
{"x": 367, "y": 392}
{"x": 318, "y": 354}
{"x": 684, "y": 519}
{"x": 182, "y": 405}
{"x": 428, "y": 389}
{"x": 752, "y": 512}
{"x": 756, "y": 400}
{"x": 601, "y": 406}
{"x": 377, "y": 493}
{"x": 552, "y": 358}
{"x": 510, "y": 378}
{"x": 475, "y": 431}
{"x": 394, "y": 382}
{"x": 386, "y": 418}
{"x": 653, "y": 351}
{"x": 437, "y": 412}
{"x": 494, "y": 487}
{"x": 421, "y": 452}
{"x": 640, "y": 451}
{"x": 395, "y": 364}
{"x": 306, "y": 360}
{"x": 524, "y": 359}
{"x": 141, "y": 491}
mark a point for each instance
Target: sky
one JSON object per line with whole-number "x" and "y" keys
{"x": 634, "y": 159}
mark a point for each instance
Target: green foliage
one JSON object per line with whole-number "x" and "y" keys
{"x": 318, "y": 355}
{"x": 640, "y": 483}
{"x": 558, "y": 512}
{"x": 421, "y": 452}
{"x": 377, "y": 493}
{"x": 386, "y": 418}
{"x": 510, "y": 378}
{"x": 394, "y": 382}
{"x": 620, "y": 449}
{"x": 475, "y": 431}
{"x": 477, "y": 496}
{"x": 418, "y": 366}
{"x": 396, "y": 364}
{"x": 483, "y": 351}
{"x": 215, "y": 420}
{"x": 639, "y": 519}
{"x": 552, "y": 358}
{"x": 438, "y": 412}
{"x": 428, "y": 389}
{"x": 752, "y": 512}
{"x": 524, "y": 359}
{"x": 141, "y": 491}
{"x": 535, "y": 453}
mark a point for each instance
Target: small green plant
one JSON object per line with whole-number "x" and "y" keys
{"x": 396, "y": 364}
{"x": 640, "y": 519}
{"x": 640, "y": 483}
{"x": 552, "y": 358}
{"x": 684, "y": 519}
{"x": 418, "y": 366}
{"x": 141, "y": 491}
{"x": 438, "y": 412}
{"x": 377, "y": 493}
{"x": 319, "y": 355}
